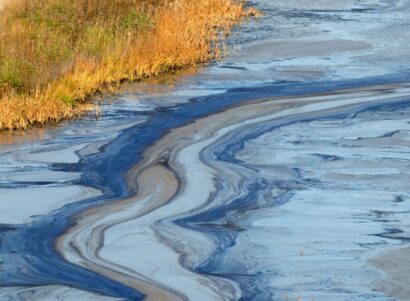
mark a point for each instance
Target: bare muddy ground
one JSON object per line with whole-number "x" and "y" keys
{"x": 281, "y": 172}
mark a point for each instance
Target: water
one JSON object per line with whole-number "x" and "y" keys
{"x": 279, "y": 173}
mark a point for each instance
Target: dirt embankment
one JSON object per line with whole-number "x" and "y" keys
{"x": 55, "y": 54}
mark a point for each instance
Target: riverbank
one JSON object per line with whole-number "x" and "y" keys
{"x": 55, "y": 54}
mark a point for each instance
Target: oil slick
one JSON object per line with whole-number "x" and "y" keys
{"x": 255, "y": 184}
{"x": 275, "y": 175}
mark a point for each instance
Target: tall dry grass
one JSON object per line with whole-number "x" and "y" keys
{"x": 55, "y": 54}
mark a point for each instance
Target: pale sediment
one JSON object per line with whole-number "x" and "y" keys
{"x": 396, "y": 266}
{"x": 51, "y": 293}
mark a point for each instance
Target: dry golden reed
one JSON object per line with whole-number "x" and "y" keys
{"x": 55, "y": 54}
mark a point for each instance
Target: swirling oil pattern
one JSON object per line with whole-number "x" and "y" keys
{"x": 280, "y": 173}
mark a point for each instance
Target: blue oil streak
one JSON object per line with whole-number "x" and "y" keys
{"x": 27, "y": 250}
